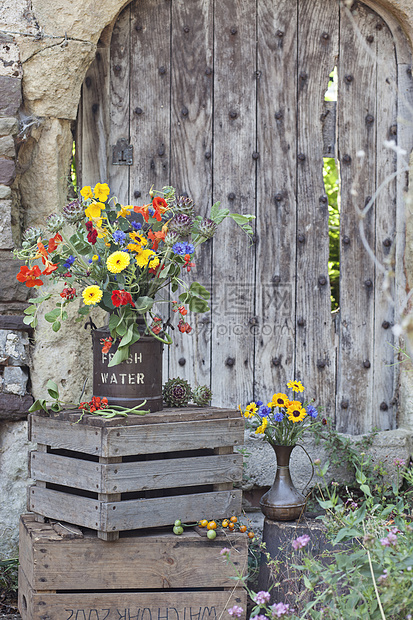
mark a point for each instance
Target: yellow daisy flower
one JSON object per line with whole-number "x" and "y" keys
{"x": 93, "y": 211}
{"x": 144, "y": 257}
{"x": 296, "y": 411}
{"x": 124, "y": 211}
{"x": 117, "y": 262}
{"x": 296, "y": 386}
{"x": 92, "y": 295}
{"x": 250, "y": 410}
{"x": 135, "y": 236}
{"x": 279, "y": 400}
{"x": 86, "y": 192}
{"x": 154, "y": 262}
{"x": 101, "y": 191}
{"x": 260, "y": 430}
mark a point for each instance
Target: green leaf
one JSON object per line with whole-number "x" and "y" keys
{"x": 144, "y": 304}
{"x": 241, "y": 219}
{"x": 55, "y": 407}
{"x": 344, "y": 533}
{"x": 114, "y": 321}
{"x": 37, "y": 405}
{"x": 121, "y": 355}
{"x": 52, "y": 315}
{"x": 28, "y": 320}
{"x": 52, "y": 388}
{"x": 30, "y": 310}
{"x": 39, "y": 300}
{"x": 56, "y": 326}
{"x": 199, "y": 290}
{"x": 198, "y": 305}
{"x": 365, "y": 489}
{"x": 84, "y": 310}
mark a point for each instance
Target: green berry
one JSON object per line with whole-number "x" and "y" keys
{"x": 211, "y": 534}
{"x": 178, "y": 522}
{"x": 178, "y": 530}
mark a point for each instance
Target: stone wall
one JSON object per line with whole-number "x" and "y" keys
{"x": 46, "y": 47}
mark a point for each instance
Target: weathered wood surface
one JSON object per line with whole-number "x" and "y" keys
{"x": 235, "y": 168}
{"x": 276, "y": 197}
{"x": 217, "y": 86}
{"x": 144, "y": 439}
{"x": 137, "y": 476}
{"x": 357, "y": 70}
{"x": 315, "y": 356}
{"x": 155, "y": 560}
{"x": 133, "y": 514}
{"x": 175, "y": 605}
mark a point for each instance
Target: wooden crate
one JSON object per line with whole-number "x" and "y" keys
{"x": 155, "y": 576}
{"x": 142, "y": 471}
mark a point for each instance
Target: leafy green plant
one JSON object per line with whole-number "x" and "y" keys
{"x": 8, "y": 576}
{"x": 331, "y": 186}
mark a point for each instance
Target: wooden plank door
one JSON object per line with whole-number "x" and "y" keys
{"x": 226, "y": 102}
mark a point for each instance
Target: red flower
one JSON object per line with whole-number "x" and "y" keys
{"x": 184, "y": 327}
{"x": 156, "y": 237}
{"x": 30, "y": 276}
{"x": 160, "y": 206}
{"x": 92, "y": 234}
{"x": 188, "y": 264}
{"x": 121, "y": 298}
{"x": 68, "y": 293}
{"x": 107, "y": 343}
{"x": 54, "y": 242}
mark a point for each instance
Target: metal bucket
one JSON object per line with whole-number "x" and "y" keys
{"x": 136, "y": 379}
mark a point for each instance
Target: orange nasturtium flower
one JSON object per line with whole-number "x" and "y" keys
{"x": 43, "y": 254}
{"x": 30, "y": 276}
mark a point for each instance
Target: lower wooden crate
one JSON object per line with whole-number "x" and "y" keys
{"x": 146, "y": 576}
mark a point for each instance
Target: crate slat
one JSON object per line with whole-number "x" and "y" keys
{"x": 135, "y": 476}
{"x": 133, "y": 514}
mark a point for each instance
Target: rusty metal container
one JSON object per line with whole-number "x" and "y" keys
{"x": 136, "y": 379}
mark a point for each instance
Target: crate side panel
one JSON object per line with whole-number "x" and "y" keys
{"x": 171, "y": 437}
{"x": 169, "y": 473}
{"x": 66, "y": 471}
{"x": 66, "y": 507}
{"x": 159, "y": 560}
{"x": 177, "y": 605}
{"x": 159, "y": 511}
{"x": 68, "y": 435}
{"x": 25, "y": 596}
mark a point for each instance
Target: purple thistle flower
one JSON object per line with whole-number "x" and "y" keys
{"x": 385, "y": 542}
{"x": 279, "y": 609}
{"x": 301, "y": 542}
{"x": 261, "y": 597}
{"x": 399, "y": 463}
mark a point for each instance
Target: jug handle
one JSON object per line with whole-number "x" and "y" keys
{"x": 312, "y": 467}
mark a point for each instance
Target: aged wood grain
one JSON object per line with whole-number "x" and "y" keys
{"x": 357, "y": 99}
{"x": 383, "y": 412}
{"x": 92, "y": 149}
{"x": 133, "y": 514}
{"x": 155, "y": 560}
{"x": 191, "y": 164}
{"x": 276, "y": 197}
{"x": 235, "y": 164}
{"x": 118, "y": 175}
{"x": 176, "y": 605}
{"x": 315, "y": 358}
{"x": 137, "y": 476}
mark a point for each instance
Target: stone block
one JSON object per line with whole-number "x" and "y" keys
{"x": 10, "y": 288}
{"x": 7, "y": 171}
{"x": 15, "y": 380}
{"x": 6, "y": 236}
{"x": 8, "y": 126}
{"x": 5, "y": 192}
{"x": 7, "y": 147}
{"x": 10, "y": 95}
{"x": 14, "y": 348}
{"x": 13, "y": 407}
{"x": 14, "y": 448}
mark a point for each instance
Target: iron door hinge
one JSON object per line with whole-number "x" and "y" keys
{"x": 122, "y": 153}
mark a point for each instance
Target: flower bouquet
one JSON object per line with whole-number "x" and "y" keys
{"x": 282, "y": 421}
{"x": 122, "y": 259}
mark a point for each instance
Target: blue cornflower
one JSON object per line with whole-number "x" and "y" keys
{"x": 263, "y": 410}
{"x": 278, "y": 417}
{"x": 136, "y": 225}
{"x": 69, "y": 262}
{"x": 119, "y": 236}
{"x": 151, "y": 211}
{"x": 311, "y": 411}
{"x": 259, "y": 403}
{"x": 189, "y": 248}
{"x": 180, "y": 248}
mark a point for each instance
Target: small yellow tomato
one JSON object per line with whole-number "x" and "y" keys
{"x": 242, "y": 528}
{"x": 203, "y": 523}
{"x": 225, "y": 523}
{"x": 212, "y": 525}
{"x": 233, "y": 519}
{"x": 251, "y": 535}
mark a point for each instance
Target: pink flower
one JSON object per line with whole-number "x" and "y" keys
{"x": 236, "y": 611}
{"x": 279, "y": 610}
{"x": 261, "y": 597}
{"x": 301, "y": 542}
{"x": 225, "y": 551}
